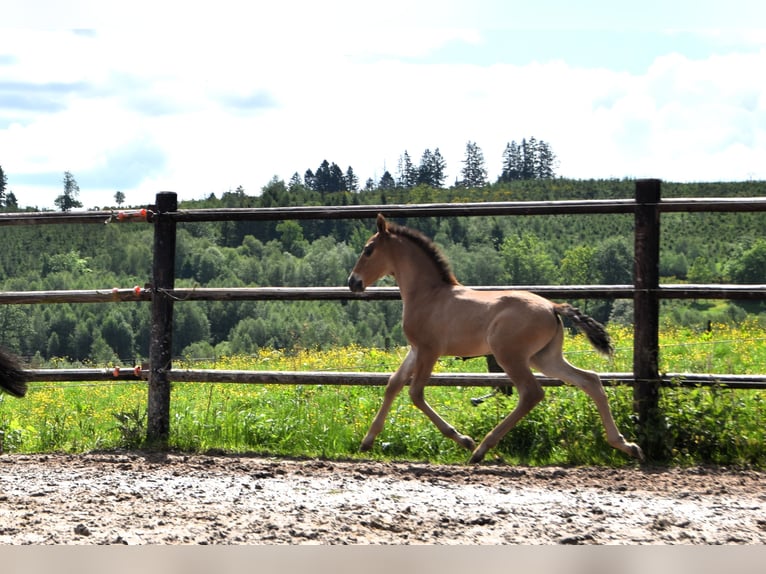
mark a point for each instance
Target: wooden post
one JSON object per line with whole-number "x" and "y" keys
{"x": 646, "y": 304}
{"x": 161, "y": 344}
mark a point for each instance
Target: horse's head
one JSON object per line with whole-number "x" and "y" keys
{"x": 373, "y": 263}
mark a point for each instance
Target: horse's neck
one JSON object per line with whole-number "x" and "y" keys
{"x": 416, "y": 273}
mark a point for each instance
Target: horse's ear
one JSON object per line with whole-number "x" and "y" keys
{"x": 382, "y": 223}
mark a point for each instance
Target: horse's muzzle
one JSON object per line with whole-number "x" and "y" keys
{"x": 355, "y": 283}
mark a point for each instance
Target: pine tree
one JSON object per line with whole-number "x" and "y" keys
{"x": 438, "y": 167}
{"x": 295, "y": 182}
{"x": 310, "y": 180}
{"x": 337, "y": 179}
{"x": 431, "y": 169}
{"x": 352, "y": 182}
{"x": 546, "y": 161}
{"x": 3, "y": 184}
{"x": 424, "y": 170}
{"x": 387, "y": 181}
{"x": 511, "y": 162}
{"x": 322, "y": 177}
{"x": 474, "y": 172}
{"x": 528, "y": 158}
{"x": 408, "y": 174}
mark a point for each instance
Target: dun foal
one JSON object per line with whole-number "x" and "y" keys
{"x": 441, "y": 317}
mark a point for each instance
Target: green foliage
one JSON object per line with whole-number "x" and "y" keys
{"x": 562, "y": 249}
{"x": 710, "y": 425}
{"x": 68, "y": 200}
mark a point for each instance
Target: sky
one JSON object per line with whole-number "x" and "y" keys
{"x": 202, "y": 97}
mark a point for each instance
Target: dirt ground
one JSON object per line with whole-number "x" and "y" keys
{"x": 141, "y": 498}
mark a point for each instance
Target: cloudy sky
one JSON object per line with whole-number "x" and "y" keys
{"x": 202, "y": 97}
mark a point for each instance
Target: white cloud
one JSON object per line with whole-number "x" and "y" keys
{"x": 202, "y": 109}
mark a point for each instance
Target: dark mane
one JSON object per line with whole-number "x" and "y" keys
{"x": 431, "y": 249}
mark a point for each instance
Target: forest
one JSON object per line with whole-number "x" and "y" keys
{"x": 562, "y": 249}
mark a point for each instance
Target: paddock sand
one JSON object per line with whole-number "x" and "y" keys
{"x": 149, "y": 498}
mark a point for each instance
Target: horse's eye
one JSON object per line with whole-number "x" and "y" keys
{"x": 368, "y": 250}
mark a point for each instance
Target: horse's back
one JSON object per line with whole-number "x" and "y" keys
{"x": 466, "y": 322}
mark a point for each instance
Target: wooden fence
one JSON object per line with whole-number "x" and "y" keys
{"x": 646, "y": 293}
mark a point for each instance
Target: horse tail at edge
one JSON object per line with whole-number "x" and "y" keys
{"x": 592, "y": 329}
{"x": 13, "y": 379}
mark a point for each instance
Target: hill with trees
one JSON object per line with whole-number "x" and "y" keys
{"x": 562, "y": 249}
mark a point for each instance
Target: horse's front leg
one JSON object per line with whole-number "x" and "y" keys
{"x": 393, "y": 387}
{"x": 417, "y": 394}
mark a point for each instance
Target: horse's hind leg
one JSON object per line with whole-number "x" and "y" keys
{"x": 393, "y": 387}
{"x": 530, "y": 393}
{"x": 551, "y": 362}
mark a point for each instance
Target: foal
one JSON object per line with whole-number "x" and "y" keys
{"x": 441, "y": 317}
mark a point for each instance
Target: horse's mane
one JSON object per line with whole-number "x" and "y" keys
{"x": 430, "y": 248}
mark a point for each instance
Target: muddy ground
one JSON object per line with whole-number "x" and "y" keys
{"x": 136, "y": 498}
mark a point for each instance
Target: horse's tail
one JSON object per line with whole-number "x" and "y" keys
{"x": 13, "y": 379}
{"x": 594, "y": 330}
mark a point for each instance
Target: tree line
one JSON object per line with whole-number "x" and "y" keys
{"x": 565, "y": 249}
{"x": 530, "y": 159}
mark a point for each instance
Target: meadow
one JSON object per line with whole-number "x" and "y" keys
{"x": 704, "y": 425}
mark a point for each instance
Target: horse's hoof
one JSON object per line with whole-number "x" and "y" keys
{"x": 364, "y": 447}
{"x": 476, "y": 458}
{"x": 636, "y": 452}
{"x": 467, "y": 442}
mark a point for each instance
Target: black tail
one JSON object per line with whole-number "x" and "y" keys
{"x": 594, "y": 330}
{"x": 13, "y": 379}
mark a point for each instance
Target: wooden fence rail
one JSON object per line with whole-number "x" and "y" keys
{"x": 161, "y": 292}
{"x": 755, "y": 292}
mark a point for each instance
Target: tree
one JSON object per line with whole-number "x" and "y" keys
{"x": 528, "y": 152}
{"x": 474, "y": 172}
{"x": 119, "y": 197}
{"x": 511, "y": 162}
{"x": 118, "y": 334}
{"x": 351, "y": 181}
{"x": 3, "y": 184}
{"x": 329, "y": 178}
{"x": 309, "y": 180}
{"x": 438, "y": 168}
{"x": 408, "y": 173}
{"x": 546, "y": 161}
{"x": 295, "y": 182}
{"x": 387, "y": 181}
{"x": 614, "y": 260}
{"x": 527, "y": 261}
{"x": 431, "y": 169}
{"x": 531, "y": 160}
{"x": 337, "y": 179}
{"x": 750, "y": 267}
{"x": 11, "y": 202}
{"x": 68, "y": 200}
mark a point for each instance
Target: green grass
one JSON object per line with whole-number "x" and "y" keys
{"x": 704, "y": 425}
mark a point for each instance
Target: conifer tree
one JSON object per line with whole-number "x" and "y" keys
{"x": 3, "y": 184}
{"x": 387, "y": 181}
{"x": 408, "y": 174}
{"x": 352, "y": 182}
{"x": 474, "y": 172}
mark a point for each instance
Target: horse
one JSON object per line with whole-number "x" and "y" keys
{"x": 13, "y": 379}
{"x": 441, "y": 317}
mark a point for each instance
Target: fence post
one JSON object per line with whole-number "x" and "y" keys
{"x": 646, "y": 311}
{"x": 161, "y": 344}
